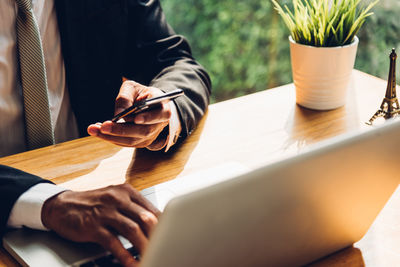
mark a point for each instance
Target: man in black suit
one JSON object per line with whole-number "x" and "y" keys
{"x": 103, "y": 43}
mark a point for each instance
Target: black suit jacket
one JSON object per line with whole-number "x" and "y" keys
{"x": 103, "y": 41}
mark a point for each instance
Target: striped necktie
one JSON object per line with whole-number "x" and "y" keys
{"x": 38, "y": 126}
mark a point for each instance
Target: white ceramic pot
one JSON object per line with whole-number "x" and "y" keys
{"x": 322, "y": 74}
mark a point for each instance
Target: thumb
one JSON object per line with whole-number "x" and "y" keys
{"x": 128, "y": 92}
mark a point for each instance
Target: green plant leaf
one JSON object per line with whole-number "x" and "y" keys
{"x": 324, "y": 23}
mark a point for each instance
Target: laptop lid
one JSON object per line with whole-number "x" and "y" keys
{"x": 286, "y": 214}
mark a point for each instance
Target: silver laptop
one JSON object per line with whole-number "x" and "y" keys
{"x": 285, "y": 214}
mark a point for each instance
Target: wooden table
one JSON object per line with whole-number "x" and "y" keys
{"x": 252, "y": 130}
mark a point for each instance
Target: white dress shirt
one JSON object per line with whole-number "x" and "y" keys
{"x": 27, "y": 209}
{"x": 12, "y": 128}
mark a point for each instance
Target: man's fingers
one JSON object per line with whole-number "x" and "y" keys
{"x": 138, "y": 209}
{"x": 129, "y": 229}
{"x": 128, "y": 92}
{"x": 142, "y": 201}
{"x": 94, "y": 129}
{"x": 159, "y": 115}
{"x": 139, "y": 131}
{"x": 146, "y": 219}
{"x": 127, "y": 134}
{"x": 117, "y": 210}
{"x": 131, "y": 130}
{"x": 111, "y": 243}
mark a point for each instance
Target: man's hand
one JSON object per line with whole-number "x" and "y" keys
{"x": 99, "y": 215}
{"x": 141, "y": 130}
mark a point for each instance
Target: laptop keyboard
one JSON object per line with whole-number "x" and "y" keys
{"x": 109, "y": 260}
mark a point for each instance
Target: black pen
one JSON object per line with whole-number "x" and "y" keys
{"x": 148, "y": 104}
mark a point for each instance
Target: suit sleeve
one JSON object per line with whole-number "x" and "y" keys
{"x": 13, "y": 183}
{"x": 163, "y": 59}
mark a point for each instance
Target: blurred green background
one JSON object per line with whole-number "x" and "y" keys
{"x": 244, "y": 44}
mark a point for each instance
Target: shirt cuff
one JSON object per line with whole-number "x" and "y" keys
{"x": 27, "y": 210}
{"x": 174, "y": 131}
{"x": 174, "y": 127}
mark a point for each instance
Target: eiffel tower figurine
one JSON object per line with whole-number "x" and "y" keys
{"x": 390, "y": 105}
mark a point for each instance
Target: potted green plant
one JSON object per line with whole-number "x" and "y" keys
{"x": 323, "y": 47}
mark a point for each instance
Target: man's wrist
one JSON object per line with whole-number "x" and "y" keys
{"x": 27, "y": 210}
{"x": 161, "y": 140}
{"x": 174, "y": 127}
{"x": 48, "y": 209}
{"x": 170, "y": 134}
